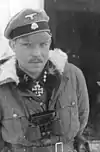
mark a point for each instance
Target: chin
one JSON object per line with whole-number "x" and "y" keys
{"x": 34, "y": 69}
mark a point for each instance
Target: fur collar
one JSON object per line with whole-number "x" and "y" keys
{"x": 8, "y": 70}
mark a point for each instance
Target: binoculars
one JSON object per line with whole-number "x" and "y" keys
{"x": 43, "y": 125}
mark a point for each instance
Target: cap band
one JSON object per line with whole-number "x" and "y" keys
{"x": 20, "y": 31}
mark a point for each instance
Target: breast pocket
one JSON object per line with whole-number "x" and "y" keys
{"x": 13, "y": 124}
{"x": 68, "y": 114}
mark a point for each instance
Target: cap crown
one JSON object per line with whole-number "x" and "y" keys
{"x": 26, "y": 22}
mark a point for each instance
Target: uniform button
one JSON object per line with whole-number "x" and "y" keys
{"x": 48, "y": 132}
{"x": 43, "y": 133}
{"x": 41, "y": 103}
{"x": 14, "y": 115}
{"x": 73, "y": 103}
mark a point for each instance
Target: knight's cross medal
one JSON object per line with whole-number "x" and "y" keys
{"x": 37, "y": 89}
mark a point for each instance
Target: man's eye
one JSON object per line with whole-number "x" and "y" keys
{"x": 43, "y": 44}
{"x": 26, "y": 44}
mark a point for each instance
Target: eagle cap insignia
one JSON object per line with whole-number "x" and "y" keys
{"x": 31, "y": 16}
{"x": 34, "y": 26}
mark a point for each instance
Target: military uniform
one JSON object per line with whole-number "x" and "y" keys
{"x": 47, "y": 113}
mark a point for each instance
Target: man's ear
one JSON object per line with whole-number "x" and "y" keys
{"x": 12, "y": 44}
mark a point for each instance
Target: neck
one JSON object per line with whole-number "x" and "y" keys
{"x": 33, "y": 75}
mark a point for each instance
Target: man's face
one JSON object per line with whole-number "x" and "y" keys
{"x": 32, "y": 51}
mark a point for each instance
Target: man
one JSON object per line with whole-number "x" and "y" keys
{"x": 43, "y": 99}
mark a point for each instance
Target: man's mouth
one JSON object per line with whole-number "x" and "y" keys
{"x": 33, "y": 61}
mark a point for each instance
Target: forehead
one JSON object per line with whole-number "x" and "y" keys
{"x": 35, "y": 38}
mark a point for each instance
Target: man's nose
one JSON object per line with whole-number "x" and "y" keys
{"x": 36, "y": 51}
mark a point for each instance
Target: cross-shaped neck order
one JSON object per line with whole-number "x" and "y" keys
{"x": 38, "y": 89}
